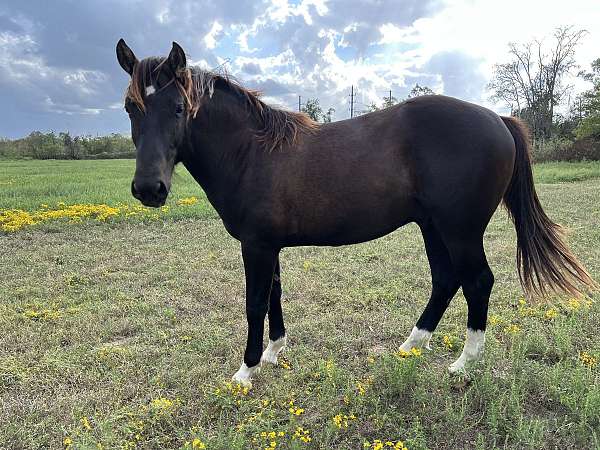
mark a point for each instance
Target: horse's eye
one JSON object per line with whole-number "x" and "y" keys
{"x": 179, "y": 110}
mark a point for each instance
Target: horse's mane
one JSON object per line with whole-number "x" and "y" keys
{"x": 196, "y": 85}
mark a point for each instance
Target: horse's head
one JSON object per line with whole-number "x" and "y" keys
{"x": 156, "y": 103}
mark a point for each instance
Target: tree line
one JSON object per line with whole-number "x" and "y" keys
{"x": 50, "y": 145}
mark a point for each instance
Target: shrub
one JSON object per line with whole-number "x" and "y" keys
{"x": 562, "y": 149}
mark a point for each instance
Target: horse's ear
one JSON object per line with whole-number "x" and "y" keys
{"x": 176, "y": 58}
{"x": 126, "y": 58}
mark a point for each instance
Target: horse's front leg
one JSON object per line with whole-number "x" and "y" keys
{"x": 259, "y": 265}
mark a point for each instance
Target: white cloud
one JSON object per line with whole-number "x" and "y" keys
{"x": 210, "y": 39}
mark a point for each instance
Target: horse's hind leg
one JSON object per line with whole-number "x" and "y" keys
{"x": 277, "y": 338}
{"x": 477, "y": 280}
{"x": 444, "y": 285}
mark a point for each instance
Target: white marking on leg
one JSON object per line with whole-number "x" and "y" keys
{"x": 272, "y": 350}
{"x": 244, "y": 375}
{"x": 472, "y": 351}
{"x": 418, "y": 339}
{"x": 150, "y": 90}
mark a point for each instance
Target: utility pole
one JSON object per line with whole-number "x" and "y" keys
{"x": 390, "y": 97}
{"x": 352, "y": 102}
{"x": 299, "y": 103}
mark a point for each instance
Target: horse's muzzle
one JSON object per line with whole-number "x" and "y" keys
{"x": 150, "y": 193}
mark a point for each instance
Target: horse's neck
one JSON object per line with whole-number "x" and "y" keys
{"x": 221, "y": 146}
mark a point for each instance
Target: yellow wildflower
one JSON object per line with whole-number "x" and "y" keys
{"x": 162, "y": 404}
{"x": 574, "y": 304}
{"x": 302, "y": 435}
{"x": 342, "y": 420}
{"x": 378, "y": 444}
{"x": 412, "y": 352}
{"x": 295, "y": 411}
{"x": 551, "y": 314}
{"x": 494, "y": 319}
{"x": 448, "y": 342}
{"x": 85, "y": 423}
{"x": 588, "y": 360}
{"x": 188, "y": 201}
{"x": 198, "y": 444}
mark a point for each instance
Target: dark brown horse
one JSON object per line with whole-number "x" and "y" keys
{"x": 277, "y": 179}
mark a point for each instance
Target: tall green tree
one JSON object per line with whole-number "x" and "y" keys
{"x": 313, "y": 109}
{"x": 588, "y": 104}
{"x": 328, "y": 116}
{"x": 532, "y": 82}
{"x": 418, "y": 90}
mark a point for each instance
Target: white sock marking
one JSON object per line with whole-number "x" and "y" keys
{"x": 472, "y": 351}
{"x": 244, "y": 375}
{"x": 418, "y": 339}
{"x": 272, "y": 350}
{"x": 150, "y": 90}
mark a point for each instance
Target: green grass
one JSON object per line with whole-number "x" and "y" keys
{"x": 28, "y": 184}
{"x": 102, "y": 321}
{"x": 560, "y": 172}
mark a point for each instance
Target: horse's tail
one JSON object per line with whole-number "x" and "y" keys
{"x": 544, "y": 260}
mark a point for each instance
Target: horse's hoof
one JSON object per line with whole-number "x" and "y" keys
{"x": 244, "y": 375}
{"x": 457, "y": 368}
{"x": 272, "y": 350}
{"x": 417, "y": 339}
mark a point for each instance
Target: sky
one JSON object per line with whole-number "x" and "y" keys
{"x": 58, "y": 69}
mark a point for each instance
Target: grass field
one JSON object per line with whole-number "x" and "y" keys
{"x": 124, "y": 333}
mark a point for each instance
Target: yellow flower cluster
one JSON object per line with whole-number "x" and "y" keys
{"x": 380, "y": 445}
{"x": 162, "y": 405}
{"x": 448, "y": 342}
{"x": 233, "y": 389}
{"x": 110, "y": 351}
{"x": 188, "y": 201}
{"x": 195, "y": 444}
{"x": 342, "y": 420}
{"x": 282, "y": 362}
{"x": 512, "y": 329}
{"x": 295, "y": 411}
{"x": 85, "y": 423}
{"x": 588, "y": 360}
{"x": 41, "y": 314}
{"x": 302, "y": 435}
{"x": 271, "y": 438}
{"x": 406, "y": 354}
{"x": 12, "y": 220}
{"x": 494, "y": 319}
{"x": 551, "y": 314}
{"x": 361, "y": 386}
{"x": 575, "y": 304}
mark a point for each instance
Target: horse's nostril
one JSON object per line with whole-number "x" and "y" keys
{"x": 134, "y": 191}
{"x": 162, "y": 189}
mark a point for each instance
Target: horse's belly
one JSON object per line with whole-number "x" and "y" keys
{"x": 353, "y": 222}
